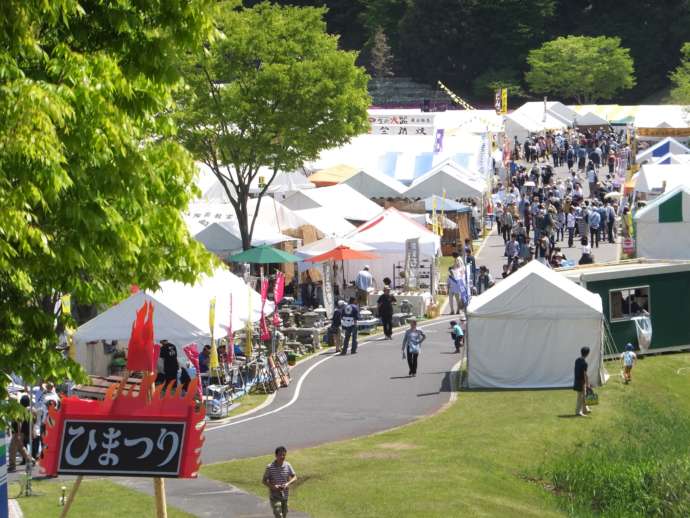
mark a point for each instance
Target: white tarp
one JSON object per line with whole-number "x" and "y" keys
{"x": 527, "y": 331}
{"x": 664, "y": 146}
{"x": 387, "y": 234}
{"x": 456, "y": 181}
{"x": 341, "y": 199}
{"x": 223, "y": 238}
{"x": 375, "y": 185}
{"x": 325, "y": 221}
{"x": 668, "y": 239}
{"x": 654, "y": 177}
{"x": 181, "y": 313}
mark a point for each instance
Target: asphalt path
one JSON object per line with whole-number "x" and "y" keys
{"x": 333, "y": 397}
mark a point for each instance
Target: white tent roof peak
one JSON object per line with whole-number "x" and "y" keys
{"x": 374, "y": 184}
{"x": 649, "y": 214}
{"x": 341, "y": 198}
{"x": 447, "y": 176}
{"x": 536, "y": 292}
{"x": 673, "y": 145}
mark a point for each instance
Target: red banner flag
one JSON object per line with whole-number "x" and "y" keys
{"x": 193, "y": 356}
{"x": 263, "y": 327}
{"x": 279, "y": 288}
{"x": 140, "y": 350}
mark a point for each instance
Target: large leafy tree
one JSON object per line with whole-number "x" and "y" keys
{"x": 271, "y": 90}
{"x": 681, "y": 78}
{"x": 586, "y": 69}
{"x": 92, "y": 183}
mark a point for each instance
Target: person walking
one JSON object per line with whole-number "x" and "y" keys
{"x": 594, "y": 227}
{"x": 335, "y": 326}
{"x": 363, "y": 282}
{"x": 349, "y": 323}
{"x": 412, "y": 345}
{"x": 385, "y": 307}
{"x": 570, "y": 223}
{"x": 278, "y": 477}
{"x": 581, "y": 383}
{"x": 610, "y": 222}
{"x": 628, "y": 361}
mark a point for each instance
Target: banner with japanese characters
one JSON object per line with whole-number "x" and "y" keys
{"x": 328, "y": 297}
{"x": 418, "y": 124}
{"x": 412, "y": 263}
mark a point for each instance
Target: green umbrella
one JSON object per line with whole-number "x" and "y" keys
{"x": 264, "y": 254}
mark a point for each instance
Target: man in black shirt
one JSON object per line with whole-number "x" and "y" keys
{"x": 385, "y": 306}
{"x": 581, "y": 382}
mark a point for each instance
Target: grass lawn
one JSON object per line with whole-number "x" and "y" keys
{"x": 484, "y": 456}
{"x": 95, "y": 499}
{"x": 247, "y": 402}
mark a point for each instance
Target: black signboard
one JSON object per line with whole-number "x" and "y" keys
{"x": 118, "y": 448}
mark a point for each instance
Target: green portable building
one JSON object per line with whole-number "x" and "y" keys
{"x": 633, "y": 289}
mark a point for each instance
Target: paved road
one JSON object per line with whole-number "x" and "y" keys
{"x": 342, "y": 397}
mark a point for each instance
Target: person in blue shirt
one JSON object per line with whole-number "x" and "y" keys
{"x": 457, "y": 335}
{"x": 594, "y": 227}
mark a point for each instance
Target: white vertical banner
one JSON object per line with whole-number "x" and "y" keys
{"x": 412, "y": 263}
{"x": 327, "y": 276}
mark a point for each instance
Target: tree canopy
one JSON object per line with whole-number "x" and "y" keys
{"x": 92, "y": 182}
{"x": 271, "y": 91}
{"x": 582, "y": 68}
{"x": 681, "y": 78}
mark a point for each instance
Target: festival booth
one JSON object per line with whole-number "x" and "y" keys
{"x": 332, "y": 175}
{"x": 662, "y": 228}
{"x": 661, "y": 148}
{"x": 645, "y": 302}
{"x": 326, "y": 221}
{"x": 654, "y": 179}
{"x": 527, "y": 330}
{"x": 538, "y": 117}
{"x": 181, "y": 316}
{"x": 388, "y": 234}
{"x": 223, "y": 238}
{"x": 449, "y": 177}
{"x": 590, "y": 120}
{"x": 373, "y": 184}
{"x": 340, "y": 199}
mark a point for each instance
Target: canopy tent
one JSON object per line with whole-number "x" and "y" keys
{"x": 536, "y": 117}
{"x": 332, "y": 175}
{"x": 387, "y": 234}
{"x": 527, "y": 330}
{"x": 325, "y": 221}
{"x": 662, "y": 228}
{"x": 590, "y": 119}
{"x": 341, "y": 199}
{"x": 181, "y": 315}
{"x": 329, "y": 243}
{"x": 223, "y": 238}
{"x": 661, "y": 148}
{"x": 264, "y": 254}
{"x": 450, "y": 178}
{"x": 373, "y": 184}
{"x": 426, "y": 219}
{"x": 654, "y": 178}
{"x": 444, "y": 204}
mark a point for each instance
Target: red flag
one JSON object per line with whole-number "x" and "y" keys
{"x": 279, "y": 288}
{"x": 264, "y": 290}
{"x": 263, "y": 326}
{"x": 140, "y": 354}
{"x": 193, "y": 355}
{"x": 230, "y": 352}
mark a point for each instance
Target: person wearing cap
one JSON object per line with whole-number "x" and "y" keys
{"x": 412, "y": 345}
{"x": 335, "y": 325}
{"x": 363, "y": 282}
{"x": 385, "y": 307}
{"x": 349, "y": 323}
{"x": 628, "y": 361}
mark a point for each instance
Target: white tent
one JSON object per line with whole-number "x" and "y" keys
{"x": 181, "y": 315}
{"x": 661, "y": 148}
{"x": 329, "y": 243}
{"x": 590, "y": 119}
{"x": 325, "y": 221}
{"x": 526, "y": 331}
{"x": 655, "y": 177}
{"x": 662, "y": 228}
{"x": 341, "y": 199}
{"x": 456, "y": 181}
{"x": 387, "y": 234}
{"x": 375, "y": 185}
{"x": 223, "y": 238}
{"x": 535, "y": 117}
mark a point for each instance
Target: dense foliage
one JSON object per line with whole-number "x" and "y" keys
{"x": 681, "y": 78}
{"x": 271, "y": 90}
{"x": 91, "y": 182}
{"x": 458, "y": 40}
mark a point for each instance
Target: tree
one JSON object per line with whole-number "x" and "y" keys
{"x": 91, "y": 181}
{"x": 272, "y": 90}
{"x": 586, "y": 69}
{"x": 486, "y": 84}
{"x": 681, "y": 78}
{"x": 380, "y": 56}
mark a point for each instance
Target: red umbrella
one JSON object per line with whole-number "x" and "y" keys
{"x": 342, "y": 253}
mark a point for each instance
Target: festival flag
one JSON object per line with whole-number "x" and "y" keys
{"x": 192, "y": 355}
{"x": 249, "y": 330}
{"x": 230, "y": 350}
{"x": 504, "y": 101}
{"x": 213, "y": 358}
{"x": 263, "y": 327}
{"x": 66, "y": 302}
{"x": 438, "y": 140}
{"x": 434, "y": 222}
{"x": 140, "y": 349}
{"x": 278, "y": 293}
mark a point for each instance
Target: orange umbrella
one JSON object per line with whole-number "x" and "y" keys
{"x": 342, "y": 253}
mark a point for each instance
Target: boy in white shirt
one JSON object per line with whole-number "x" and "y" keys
{"x": 628, "y": 361}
